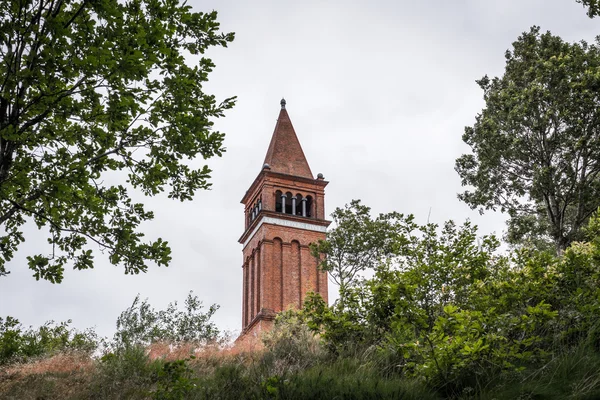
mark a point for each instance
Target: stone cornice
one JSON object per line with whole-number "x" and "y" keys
{"x": 280, "y": 219}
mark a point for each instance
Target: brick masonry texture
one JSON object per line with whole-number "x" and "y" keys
{"x": 285, "y": 154}
{"x": 278, "y": 269}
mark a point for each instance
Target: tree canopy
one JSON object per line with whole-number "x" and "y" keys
{"x": 593, "y": 7}
{"x": 141, "y": 325}
{"x": 90, "y": 87}
{"x": 536, "y": 144}
{"x": 358, "y": 242}
{"x": 447, "y": 308}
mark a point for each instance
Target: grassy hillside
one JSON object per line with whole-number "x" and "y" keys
{"x": 293, "y": 370}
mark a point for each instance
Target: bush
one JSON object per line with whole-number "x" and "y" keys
{"x": 175, "y": 381}
{"x": 141, "y": 325}
{"x": 19, "y": 344}
{"x": 446, "y": 309}
{"x": 291, "y": 345}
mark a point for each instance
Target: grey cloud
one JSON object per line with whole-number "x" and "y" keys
{"x": 379, "y": 93}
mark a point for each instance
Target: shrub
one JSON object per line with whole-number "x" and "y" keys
{"x": 20, "y": 344}
{"x": 291, "y": 345}
{"x": 444, "y": 308}
{"x": 175, "y": 381}
{"x": 142, "y": 325}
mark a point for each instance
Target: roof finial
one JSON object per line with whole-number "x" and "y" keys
{"x": 282, "y": 104}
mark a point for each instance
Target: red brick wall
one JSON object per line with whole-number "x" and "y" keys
{"x": 281, "y": 270}
{"x": 278, "y": 268}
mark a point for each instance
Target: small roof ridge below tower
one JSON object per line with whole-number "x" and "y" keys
{"x": 285, "y": 154}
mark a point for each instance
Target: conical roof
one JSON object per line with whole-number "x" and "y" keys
{"x": 285, "y": 154}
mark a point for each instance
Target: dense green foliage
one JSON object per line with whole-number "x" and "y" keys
{"x": 593, "y": 7}
{"x": 141, "y": 325}
{"x": 137, "y": 327}
{"x": 445, "y": 308}
{"x": 441, "y": 315}
{"x": 357, "y": 244}
{"x": 536, "y": 144}
{"x": 20, "y": 344}
{"x": 93, "y": 87}
{"x": 279, "y": 373}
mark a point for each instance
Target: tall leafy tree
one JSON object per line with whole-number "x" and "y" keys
{"x": 88, "y": 87}
{"x": 536, "y": 144}
{"x": 141, "y": 325}
{"x": 359, "y": 242}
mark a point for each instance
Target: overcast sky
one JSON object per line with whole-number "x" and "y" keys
{"x": 379, "y": 93}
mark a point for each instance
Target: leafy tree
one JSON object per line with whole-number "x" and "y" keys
{"x": 447, "y": 309}
{"x": 357, "y": 243}
{"x": 90, "y": 87}
{"x": 141, "y": 325}
{"x": 536, "y": 144}
{"x": 428, "y": 270}
{"x": 593, "y": 7}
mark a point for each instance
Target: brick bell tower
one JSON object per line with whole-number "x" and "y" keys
{"x": 284, "y": 213}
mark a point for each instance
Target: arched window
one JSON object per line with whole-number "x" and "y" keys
{"x": 278, "y": 201}
{"x": 298, "y": 204}
{"x": 309, "y": 205}
{"x": 288, "y": 203}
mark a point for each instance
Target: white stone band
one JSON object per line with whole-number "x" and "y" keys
{"x": 284, "y": 222}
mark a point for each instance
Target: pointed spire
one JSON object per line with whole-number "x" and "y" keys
{"x": 285, "y": 154}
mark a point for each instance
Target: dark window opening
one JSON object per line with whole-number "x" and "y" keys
{"x": 278, "y": 201}
{"x": 288, "y": 203}
{"x": 309, "y": 205}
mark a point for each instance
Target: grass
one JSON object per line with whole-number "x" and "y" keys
{"x": 573, "y": 375}
{"x": 155, "y": 373}
{"x": 235, "y": 375}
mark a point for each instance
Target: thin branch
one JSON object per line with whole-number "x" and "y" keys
{"x": 60, "y": 228}
{"x": 85, "y": 2}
